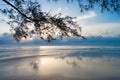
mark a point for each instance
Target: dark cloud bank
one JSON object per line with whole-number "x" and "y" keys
{"x": 92, "y": 40}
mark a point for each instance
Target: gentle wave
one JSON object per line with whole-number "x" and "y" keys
{"x": 21, "y": 52}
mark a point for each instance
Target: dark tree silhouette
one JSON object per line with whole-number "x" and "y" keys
{"x": 24, "y": 14}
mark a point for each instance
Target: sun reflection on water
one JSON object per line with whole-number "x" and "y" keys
{"x": 59, "y": 64}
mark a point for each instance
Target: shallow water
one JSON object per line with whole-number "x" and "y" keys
{"x": 60, "y": 63}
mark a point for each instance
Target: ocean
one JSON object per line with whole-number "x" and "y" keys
{"x": 59, "y": 62}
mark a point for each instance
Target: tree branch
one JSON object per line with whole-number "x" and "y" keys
{"x": 17, "y": 10}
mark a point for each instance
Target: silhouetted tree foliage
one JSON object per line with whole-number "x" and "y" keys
{"x": 103, "y": 5}
{"x": 26, "y": 18}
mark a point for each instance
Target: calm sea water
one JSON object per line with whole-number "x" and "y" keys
{"x": 59, "y": 62}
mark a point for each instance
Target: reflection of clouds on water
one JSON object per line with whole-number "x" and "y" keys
{"x": 35, "y": 65}
{"x": 91, "y": 53}
{"x": 48, "y": 67}
{"x": 102, "y": 63}
{"x": 61, "y": 65}
{"x": 73, "y": 64}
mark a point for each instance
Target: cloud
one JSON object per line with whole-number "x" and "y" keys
{"x": 91, "y": 40}
{"x": 6, "y": 38}
{"x": 89, "y": 15}
{"x": 90, "y": 26}
{"x": 102, "y": 29}
{"x": 4, "y": 27}
{"x": 59, "y": 10}
{"x": 64, "y": 11}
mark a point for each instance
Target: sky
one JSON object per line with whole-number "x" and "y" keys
{"x": 93, "y": 22}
